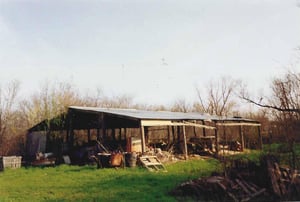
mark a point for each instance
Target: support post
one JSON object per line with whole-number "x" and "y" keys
{"x": 114, "y": 134}
{"x": 99, "y": 126}
{"x": 173, "y": 133}
{"x": 185, "y": 143}
{"x": 120, "y": 134}
{"x": 98, "y": 134}
{"x": 143, "y": 138}
{"x": 216, "y": 140}
{"x": 103, "y": 126}
{"x": 204, "y": 131}
{"x": 195, "y": 132}
{"x": 70, "y": 130}
{"x": 260, "y": 138}
{"x": 242, "y": 138}
{"x": 169, "y": 134}
{"x": 224, "y": 140}
{"x": 89, "y": 135}
{"x": 178, "y": 135}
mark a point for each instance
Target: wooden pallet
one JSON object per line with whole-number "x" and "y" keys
{"x": 152, "y": 163}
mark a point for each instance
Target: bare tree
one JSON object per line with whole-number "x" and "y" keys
{"x": 51, "y": 101}
{"x": 8, "y": 96}
{"x": 284, "y": 104}
{"x": 218, "y": 98}
{"x": 121, "y": 101}
{"x": 181, "y": 105}
{"x": 285, "y": 94}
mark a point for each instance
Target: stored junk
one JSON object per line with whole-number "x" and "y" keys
{"x": 218, "y": 188}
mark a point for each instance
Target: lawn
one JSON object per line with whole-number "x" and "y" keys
{"x": 87, "y": 183}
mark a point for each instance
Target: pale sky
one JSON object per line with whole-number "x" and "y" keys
{"x": 154, "y": 50}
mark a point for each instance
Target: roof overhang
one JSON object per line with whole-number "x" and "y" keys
{"x": 172, "y": 123}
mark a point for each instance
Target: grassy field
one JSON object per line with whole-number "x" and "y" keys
{"x": 87, "y": 183}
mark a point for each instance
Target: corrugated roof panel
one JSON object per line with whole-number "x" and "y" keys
{"x": 143, "y": 114}
{"x": 158, "y": 115}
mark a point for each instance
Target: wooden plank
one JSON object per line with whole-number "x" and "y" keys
{"x": 250, "y": 187}
{"x": 253, "y": 185}
{"x": 170, "y": 123}
{"x": 258, "y": 192}
{"x": 102, "y": 146}
{"x": 273, "y": 178}
{"x": 156, "y": 123}
{"x": 243, "y": 186}
{"x": 239, "y": 124}
{"x": 186, "y": 123}
{"x": 282, "y": 187}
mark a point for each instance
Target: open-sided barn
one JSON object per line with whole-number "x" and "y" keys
{"x": 137, "y": 130}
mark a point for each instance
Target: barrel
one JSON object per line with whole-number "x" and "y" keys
{"x": 131, "y": 159}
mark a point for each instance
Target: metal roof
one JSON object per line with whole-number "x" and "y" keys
{"x": 158, "y": 115}
{"x": 135, "y": 115}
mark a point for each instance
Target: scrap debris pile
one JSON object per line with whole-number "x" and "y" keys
{"x": 267, "y": 182}
{"x": 218, "y": 188}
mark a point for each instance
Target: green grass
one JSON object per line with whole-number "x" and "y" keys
{"x": 283, "y": 152}
{"x": 280, "y": 150}
{"x": 248, "y": 155}
{"x": 74, "y": 183}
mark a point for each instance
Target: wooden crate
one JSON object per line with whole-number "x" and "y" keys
{"x": 10, "y": 162}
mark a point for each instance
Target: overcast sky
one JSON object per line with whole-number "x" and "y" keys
{"x": 154, "y": 50}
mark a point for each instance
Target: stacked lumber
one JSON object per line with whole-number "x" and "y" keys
{"x": 283, "y": 182}
{"x": 218, "y": 188}
{"x": 267, "y": 181}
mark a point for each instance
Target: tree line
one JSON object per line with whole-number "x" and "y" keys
{"x": 279, "y": 113}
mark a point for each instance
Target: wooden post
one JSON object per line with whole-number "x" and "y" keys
{"x": 178, "y": 135}
{"x": 89, "y": 135}
{"x": 99, "y": 126}
{"x": 70, "y": 130}
{"x": 242, "y": 138}
{"x": 173, "y": 133}
{"x": 146, "y": 131}
{"x": 169, "y": 135}
{"x": 224, "y": 140}
{"x": 120, "y": 134}
{"x": 114, "y": 134}
{"x": 260, "y": 138}
{"x": 103, "y": 126}
{"x": 195, "y": 132}
{"x": 143, "y": 138}
{"x": 204, "y": 131}
{"x": 185, "y": 143}
{"x": 216, "y": 140}
{"x": 98, "y": 134}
